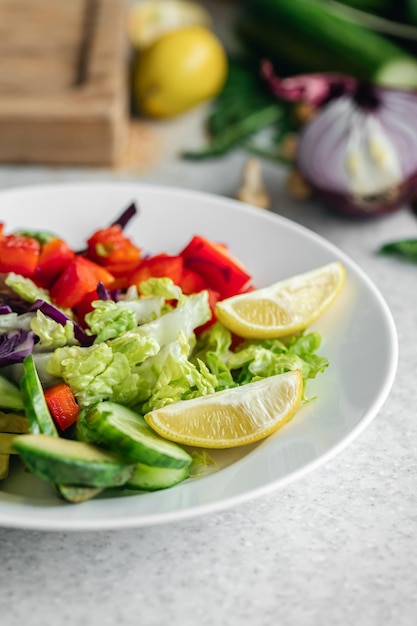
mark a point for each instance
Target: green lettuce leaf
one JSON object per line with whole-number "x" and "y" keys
{"x": 213, "y": 348}
{"x": 108, "y": 320}
{"x": 26, "y": 288}
{"x": 137, "y": 348}
{"x": 11, "y": 321}
{"x": 191, "y": 312}
{"x": 95, "y": 373}
{"x": 111, "y": 319}
{"x": 51, "y": 334}
{"x": 260, "y": 359}
{"x": 164, "y": 287}
{"x": 170, "y": 376}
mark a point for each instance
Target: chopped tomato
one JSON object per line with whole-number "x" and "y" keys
{"x": 19, "y": 254}
{"x": 62, "y": 405}
{"x": 220, "y": 270}
{"x": 111, "y": 248}
{"x": 158, "y": 266}
{"x": 78, "y": 279}
{"x": 54, "y": 257}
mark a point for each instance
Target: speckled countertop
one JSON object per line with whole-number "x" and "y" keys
{"x": 338, "y": 546}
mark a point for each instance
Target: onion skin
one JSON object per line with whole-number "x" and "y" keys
{"x": 366, "y": 207}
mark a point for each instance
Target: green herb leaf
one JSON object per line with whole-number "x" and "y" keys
{"x": 406, "y": 248}
{"x": 243, "y": 109}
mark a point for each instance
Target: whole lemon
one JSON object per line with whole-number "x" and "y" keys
{"x": 179, "y": 70}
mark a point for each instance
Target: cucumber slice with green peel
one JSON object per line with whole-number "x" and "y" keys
{"x": 77, "y": 494}
{"x": 146, "y": 478}
{"x": 82, "y": 430}
{"x": 309, "y": 36}
{"x": 4, "y": 465}
{"x": 72, "y": 462}
{"x": 10, "y": 395}
{"x": 125, "y": 431}
{"x": 6, "y": 443}
{"x": 13, "y": 423}
{"x": 36, "y": 409}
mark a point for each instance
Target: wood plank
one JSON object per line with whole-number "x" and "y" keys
{"x": 71, "y": 107}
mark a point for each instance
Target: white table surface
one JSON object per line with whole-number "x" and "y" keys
{"x": 337, "y": 547}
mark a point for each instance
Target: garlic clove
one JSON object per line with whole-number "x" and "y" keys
{"x": 252, "y": 190}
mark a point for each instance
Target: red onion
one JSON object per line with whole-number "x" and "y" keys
{"x": 359, "y": 150}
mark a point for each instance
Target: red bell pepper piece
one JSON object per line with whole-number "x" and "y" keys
{"x": 84, "y": 306}
{"x": 54, "y": 257}
{"x": 19, "y": 254}
{"x": 220, "y": 270}
{"x": 158, "y": 266}
{"x": 79, "y": 278}
{"x": 213, "y": 297}
{"x": 112, "y": 249}
{"x": 191, "y": 282}
{"x": 62, "y": 405}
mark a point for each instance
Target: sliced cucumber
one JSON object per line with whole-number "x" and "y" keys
{"x": 77, "y": 494}
{"x": 10, "y": 395}
{"x": 4, "y": 465}
{"x": 122, "y": 430}
{"x": 82, "y": 430}
{"x": 13, "y": 423}
{"x": 72, "y": 462}
{"x": 6, "y": 443}
{"x": 146, "y": 478}
{"x": 36, "y": 409}
{"x": 301, "y": 36}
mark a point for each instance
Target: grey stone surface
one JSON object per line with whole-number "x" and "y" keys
{"x": 337, "y": 547}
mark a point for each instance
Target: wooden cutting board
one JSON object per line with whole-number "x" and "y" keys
{"x": 63, "y": 81}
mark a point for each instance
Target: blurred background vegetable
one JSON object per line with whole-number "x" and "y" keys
{"x": 359, "y": 151}
{"x": 344, "y": 116}
{"x": 245, "y": 107}
{"x": 322, "y": 36}
{"x": 178, "y": 61}
{"x": 149, "y": 19}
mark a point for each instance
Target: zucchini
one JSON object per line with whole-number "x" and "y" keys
{"x": 146, "y": 478}
{"x": 316, "y": 36}
{"x": 36, "y": 409}
{"x": 125, "y": 431}
{"x": 10, "y": 395}
{"x": 71, "y": 462}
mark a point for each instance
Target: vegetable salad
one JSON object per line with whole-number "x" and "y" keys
{"x": 92, "y": 340}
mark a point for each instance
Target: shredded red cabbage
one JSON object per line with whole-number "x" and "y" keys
{"x": 126, "y": 216}
{"x": 58, "y": 316}
{"x": 15, "y": 345}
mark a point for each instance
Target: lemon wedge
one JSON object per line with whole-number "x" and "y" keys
{"x": 149, "y": 19}
{"x": 232, "y": 417}
{"x": 283, "y": 308}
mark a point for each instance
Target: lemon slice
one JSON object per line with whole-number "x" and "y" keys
{"x": 149, "y": 19}
{"x": 233, "y": 417}
{"x": 283, "y": 308}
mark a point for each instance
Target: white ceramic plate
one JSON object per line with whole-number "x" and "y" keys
{"x": 359, "y": 339}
